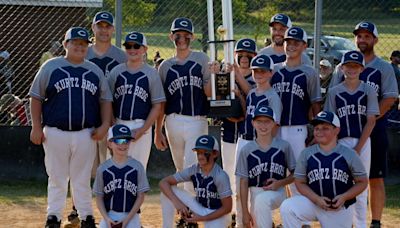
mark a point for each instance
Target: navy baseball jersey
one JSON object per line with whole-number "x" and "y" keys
{"x": 209, "y": 189}
{"x": 183, "y": 84}
{"x": 268, "y": 98}
{"x": 134, "y": 92}
{"x": 329, "y": 173}
{"x": 113, "y": 57}
{"x": 120, "y": 184}
{"x": 258, "y": 164}
{"x": 352, "y": 107}
{"x": 298, "y": 88}
{"x": 230, "y": 130}
{"x": 281, "y": 57}
{"x": 71, "y": 94}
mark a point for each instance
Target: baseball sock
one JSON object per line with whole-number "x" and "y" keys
{"x": 375, "y": 222}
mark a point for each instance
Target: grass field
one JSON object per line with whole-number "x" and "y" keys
{"x": 23, "y": 204}
{"x": 389, "y": 40}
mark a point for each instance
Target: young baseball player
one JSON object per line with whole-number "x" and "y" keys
{"x": 70, "y": 109}
{"x": 278, "y": 25}
{"x": 186, "y": 84}
{"x": 329, "y": 176}
{"x": 378, "y": 74}
{"x": 245, "y": 50}
{"x": 298, "y": 86}
{"x": 212, "y": 202}
{"x": 263, "y": 94}
{"x": 262, "y": 167}
{"x": 106, "y": 56}
{"x": 120, "y": 183}
{"x": 356, "y": 105}
{"x": 138, "y": 93}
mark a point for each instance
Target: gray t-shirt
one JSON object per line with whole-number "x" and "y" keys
{"x": 258, "y": 164}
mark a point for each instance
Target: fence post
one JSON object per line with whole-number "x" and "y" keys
{"x": 118, "y": 22}
{"x": 317, "y": 33}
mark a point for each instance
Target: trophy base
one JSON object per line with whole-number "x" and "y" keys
{"x": 225, "y": 108}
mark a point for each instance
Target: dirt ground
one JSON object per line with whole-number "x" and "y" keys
{"x": 32, "y": 214}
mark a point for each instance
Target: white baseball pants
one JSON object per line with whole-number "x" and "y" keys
{"x": 69, "y": 155}
{"x": 182, "y": 133}
{"x": 168, "y": 210}
{"x": 119, "y": 216}
{"x": 228, "y": 164}
{"x": 297, "y": 210}
{"x": 361, "y": 206}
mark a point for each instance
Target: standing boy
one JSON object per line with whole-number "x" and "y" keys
{"x": 298, "y": 86}
{"x": 70, "y": 109}
{"x": 138, "y": 94}
{"x": 212, "y": 202}
{"x": 356, "y": 105}
{"x": 262, "y": 167}
{"x": 329, "y": 176}
{"x": 185, "y": 78}
{"x": 120, "y": 183}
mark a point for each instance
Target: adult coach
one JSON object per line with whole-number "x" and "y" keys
{"x": 186, "y": 84}
{"x": 278, "y": 25}
{"x": 68, "y": 96}
{"x": 380, "y": 75}
{"x": 106, "y": 56}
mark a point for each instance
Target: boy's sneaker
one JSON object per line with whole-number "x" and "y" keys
{"x": 52, "y": 222}
{"x": 88, "y": 222}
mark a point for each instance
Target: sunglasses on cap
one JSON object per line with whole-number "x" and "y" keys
{"x": 121, "y": 141}
{"x": 132, "y": 46}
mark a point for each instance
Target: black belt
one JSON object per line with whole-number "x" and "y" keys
{"x": 247, "y": 137}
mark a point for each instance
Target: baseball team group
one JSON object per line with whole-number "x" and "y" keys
{"x": 100, "y": 101}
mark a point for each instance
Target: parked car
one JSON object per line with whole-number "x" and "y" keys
{"x": 332, "y": 47}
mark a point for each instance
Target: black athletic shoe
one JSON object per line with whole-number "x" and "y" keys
{"x": 52, "y": 222}
{"x": 88, "y": 222}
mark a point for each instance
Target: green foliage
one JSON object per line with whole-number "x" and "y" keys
{"x": 134, "y": 12}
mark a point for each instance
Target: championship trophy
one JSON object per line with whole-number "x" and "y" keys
{"x": 223, "y": 102}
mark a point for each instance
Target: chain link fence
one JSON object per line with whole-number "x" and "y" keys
{"x": 33, "y": 29}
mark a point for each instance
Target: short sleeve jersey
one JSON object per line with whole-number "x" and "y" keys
{"x": 209, "y": 189}
{"x": 352, "y": 107}
{"x": 298, "y": 88}
{"x": 329, "y": 174}
{"x": 70, "y": 93}
{"x": 183, "y": 84}
{"x": 254, "y": 99}
{"x": 113, "y": 57}
{"x": 120, "y": 184}
{"x": 258, "y": 164}
{"x": 135, "y": 91}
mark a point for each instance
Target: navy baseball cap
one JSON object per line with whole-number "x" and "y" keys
{"x": 262, "y": 61}
{"x": 326, "y": 117}
{"x": 136, "y": 37}
{"x": 395, "y": 54}
{"x": 119, "y": 131}
{"x": 353, "y": 57}
{"x": 103, "y": 16}
{"x": 281, "y": 19}
{"x": 246, "y": 44}
{"x": 296, "y": 33}
{"x": 264, "y": 111}
{"x": 182, "y": 24}
{"x": 367, "y": 26}
{"x": 76, "y": 33}
{"x": 206, "y": 142}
